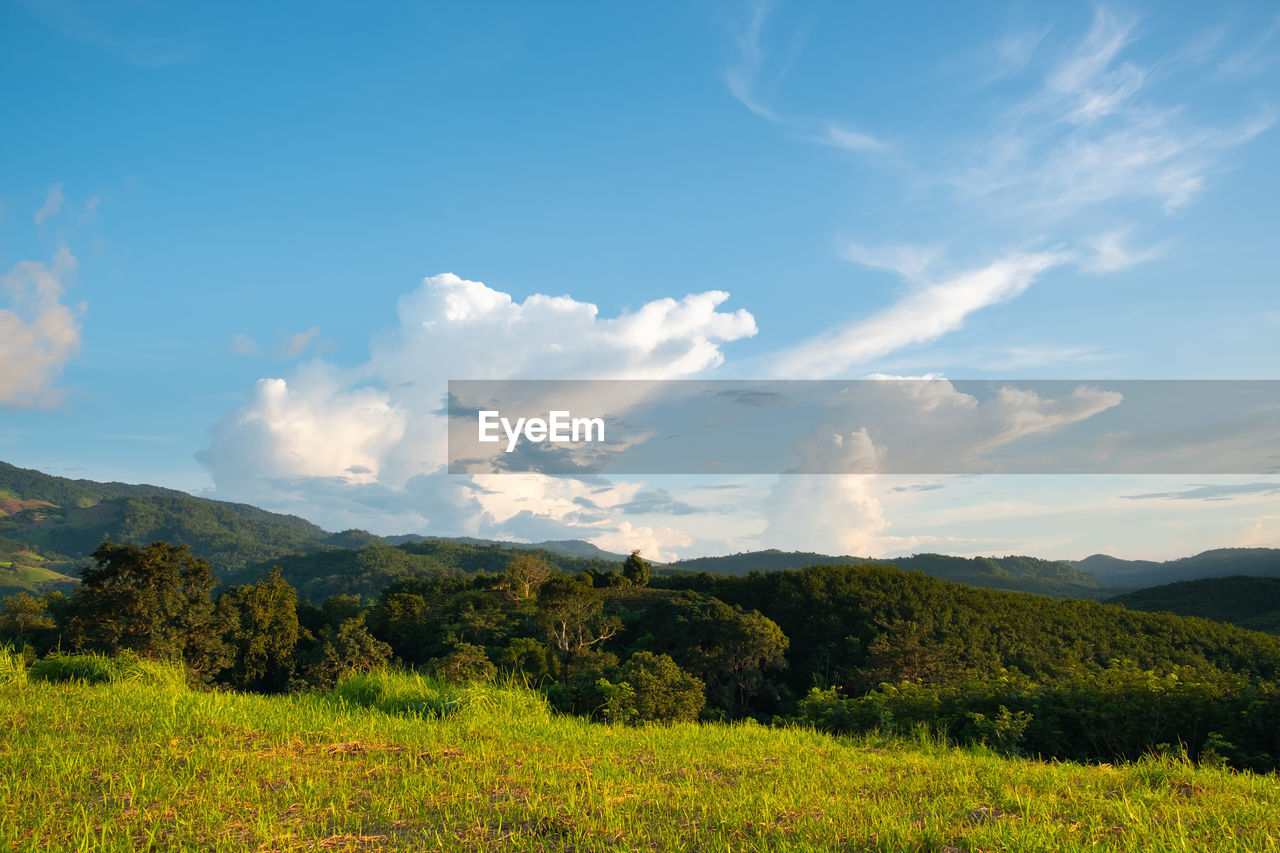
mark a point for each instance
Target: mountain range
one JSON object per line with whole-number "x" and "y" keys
{"x": 49, "y": 525}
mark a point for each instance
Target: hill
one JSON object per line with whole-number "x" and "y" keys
{"x": 493, "y": 770}
{"x": 1249, "y": 602}
{"x": 1056, "y": 578}
{"x": 1218, "y": 563}
{"x": 63, "y": 520}
{"x": 368, "y": 571}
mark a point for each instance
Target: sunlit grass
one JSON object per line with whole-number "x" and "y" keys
{"x": 391, "y": 761}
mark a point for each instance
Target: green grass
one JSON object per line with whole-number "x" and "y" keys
{"x": 133, "y": 764}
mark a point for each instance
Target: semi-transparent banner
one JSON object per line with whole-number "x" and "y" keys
{"x": 870, "y": 426}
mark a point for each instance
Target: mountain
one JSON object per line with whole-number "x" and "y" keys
{"x": 1248, "y": 602}
{"x": 563, "y": 547}
{"x": 1218, "y": 563}
{"x": 1056, "y": 578}
{"x": 58, "y": 522}
{"x": 367, "y": 571}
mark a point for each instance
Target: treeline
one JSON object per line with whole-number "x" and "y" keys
{"x": 874, "y": 647}
{"x": 845, "y": 648}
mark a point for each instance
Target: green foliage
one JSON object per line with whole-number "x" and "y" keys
{"x": 151, "y": 601}
{"x": 1249, "y": 602}
{"x": 25, "y": 620}
{"x": 13, "y": 667}
{"x": 635, "y": 569}
{"x": 108, "y": 767}
{"x": 266, "y": 619}
{"x": 662, "y": 691}
{"x": 525, "y": 573}
{"x": 395, "y": 691}
{"x": 572, "y": 614}
{"x": 345, "y": 649}
{"x": 123, "y": 668}
{"x": 465, "y": 663}
{"x": 1014, "y": 573}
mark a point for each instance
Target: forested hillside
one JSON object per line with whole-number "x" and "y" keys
{"x": 1249, "y": 602}
{"x": 1022, "y": 574}
{"x": 845, "y": 648}
{"x": 1218, "y": 563}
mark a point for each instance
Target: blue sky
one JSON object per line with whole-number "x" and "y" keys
{"x": 225, "y": 229}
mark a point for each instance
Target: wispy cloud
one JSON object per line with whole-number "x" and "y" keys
{"x": 1095, "y": 133}
{"x": 1111, "y": 252}
{"x": 119, "y": 26}
{"x": 1254, "y": 57}
{"x": 751, "y": 77}
{"x": 53, "y": 199}
{"x": 923, "y": 315}
{"x": 1211, "y": 493}
{"x": 1011, "y": 54}
{"x": 242, "y": 344}
{"x": 293, "y": 346}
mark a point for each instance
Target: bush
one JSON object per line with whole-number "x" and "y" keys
{"x": 663, "y": 692}
{"x": 13, "y": 670}
{"x": 396, "y": 692}
{"x": 123, "y": 668}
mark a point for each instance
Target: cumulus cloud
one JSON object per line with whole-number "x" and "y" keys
{"x": 38, "y": 333}
{"x": 654, "y": 543}
{"x": 368, "y": 442}
{"x": 927, "y": 426}
{"x": 53, "y": 200}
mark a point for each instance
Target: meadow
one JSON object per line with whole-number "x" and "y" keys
{"x": 118, "y": 754}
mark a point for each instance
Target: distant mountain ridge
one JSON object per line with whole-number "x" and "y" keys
{"x": 1247, "y": 602}
{"x": 49, "y": 525}
{"x": 1217, "y": 563}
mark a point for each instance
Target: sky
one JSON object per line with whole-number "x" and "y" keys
{"x": 243, "y": 247}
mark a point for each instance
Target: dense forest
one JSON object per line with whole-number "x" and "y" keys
{"x": 1250, "y": 602}
{"x": 846, "y": 648}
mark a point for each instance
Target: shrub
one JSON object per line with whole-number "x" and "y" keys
{"x": 123, "y": 668}
{"x": 662, "y": 691}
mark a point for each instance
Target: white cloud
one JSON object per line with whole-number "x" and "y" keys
{"x": 367, "y": 445}
{"x": 1095, "y": 134}
{"x": 1012, "y": 53}
{"x": 744, "y": 80}
{"x": 923, "y": 315}
{"x": 1110, "y": 252}
{"x": 53, "y": 200}
{"x": 242, "y": 344}
{"x": 38, "y": 334}
{"x": 293, "y": 346}
{"x": 850, "y": 140}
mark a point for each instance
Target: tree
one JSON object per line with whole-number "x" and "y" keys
{"x": 663, "y": 692}
{"x": 344, "y": 649}
{"x": 266, "y": 634}
{"x": 25, "y": 619}
{"x": 571, "y": 612}
{"x": 635, "y": 569}
{"x": 466, "y": 662}
{"x": 153, "y": 601}
{"x": 525, "y": 573}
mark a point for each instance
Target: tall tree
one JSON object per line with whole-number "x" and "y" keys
{"x": 572, "y": 613}
{"x": 635, "y": 569}
{"x": 267, "y": 632}
{"x": 153, "y": 601}
{"x": 525, "y": 573}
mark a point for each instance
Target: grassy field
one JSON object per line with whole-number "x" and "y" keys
{"x": 393, "y": 762}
